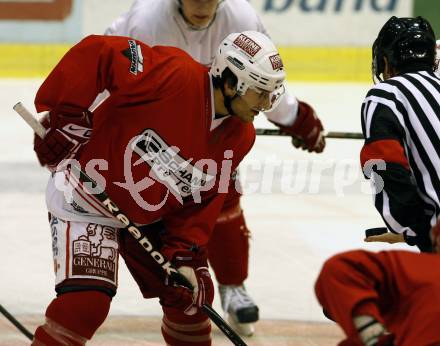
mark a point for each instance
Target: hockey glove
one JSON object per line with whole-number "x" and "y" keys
{"x": 66, "y": 134}
{"x": 307, "y": 131}
{"x": 194, "y": 266}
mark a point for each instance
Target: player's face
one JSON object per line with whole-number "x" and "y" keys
{"x": 199, "y": 13}
{"x": 248, "y": 106}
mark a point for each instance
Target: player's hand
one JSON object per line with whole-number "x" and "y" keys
{"x": 65, "y": 136}
{"x": 193, "y": 266}
{"x": 307, "y": 130}
{"x": 387, "y": 237}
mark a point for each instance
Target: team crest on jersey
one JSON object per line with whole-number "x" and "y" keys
{"x": 247, "y": 44}
{"x": 134, "y": 54}
{"x": 168, "y": 167}
{"x": 276, "y": 62}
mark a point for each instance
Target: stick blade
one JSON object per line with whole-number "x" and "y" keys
{"x": 375, "y": 231}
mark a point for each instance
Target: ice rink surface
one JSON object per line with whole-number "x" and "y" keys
{"x": 301, "y": 208}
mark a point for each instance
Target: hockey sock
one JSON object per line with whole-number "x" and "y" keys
{"x": 228, "y": 247}
{"x": 72, "y": 318}
{"x": 182, "y": 330}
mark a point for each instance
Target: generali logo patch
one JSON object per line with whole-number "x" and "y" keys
{"x": 276, "y": 61}
{"x": 247, "y": 44}
{"x": 94, "y": 254}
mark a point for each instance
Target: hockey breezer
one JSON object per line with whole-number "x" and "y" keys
{"x": 134, "y": 231}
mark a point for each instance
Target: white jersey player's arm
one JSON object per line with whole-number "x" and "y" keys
{"x": 286, "y": 112}
{"x": 122, "y": 26}
{"x": 119, "y": 26}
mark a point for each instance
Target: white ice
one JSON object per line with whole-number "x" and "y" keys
{"x": 292, "y": 233}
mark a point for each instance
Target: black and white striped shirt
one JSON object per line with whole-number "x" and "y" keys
{"x": 401, "y": 125}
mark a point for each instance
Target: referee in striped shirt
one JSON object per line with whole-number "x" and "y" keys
{"x": 401, "y": 126}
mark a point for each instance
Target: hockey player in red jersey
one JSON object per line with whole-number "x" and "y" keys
{"x": 163, "y": 144}
{"x": 380, "y": 297}
{"x": 385, "y": 298}
{"x": 198, "y": 27}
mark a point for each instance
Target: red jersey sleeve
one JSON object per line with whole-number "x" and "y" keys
{"x": 95, "y": 64}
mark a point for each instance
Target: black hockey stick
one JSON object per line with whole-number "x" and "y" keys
{"x": 135, "y": 232}
{"x": 331, "y": 134}
{"x": 375, "y": 231}
{"x": 16, "y": 323}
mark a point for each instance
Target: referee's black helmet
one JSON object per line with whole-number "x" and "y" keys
{"x": 404, "y": 41}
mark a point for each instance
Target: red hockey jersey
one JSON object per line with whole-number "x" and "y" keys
{"x": 399, "y": 288}
{"x": 153, "y": 132}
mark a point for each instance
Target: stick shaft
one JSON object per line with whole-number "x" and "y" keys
{"x": 117, "y": 213}
{"x": 331, "y": 134}
{"x": 30, "y": 119}
{"x": 224, "y": 327}
{"x": 16, "y": 323}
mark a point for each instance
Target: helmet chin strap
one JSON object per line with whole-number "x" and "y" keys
{"x": 227, "y": 102}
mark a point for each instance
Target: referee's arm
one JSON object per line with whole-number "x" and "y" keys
{"x": 399, "y": 204}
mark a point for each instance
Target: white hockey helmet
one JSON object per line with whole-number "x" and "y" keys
{"x": 254, "y": 60}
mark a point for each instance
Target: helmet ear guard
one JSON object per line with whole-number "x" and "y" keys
{"x": 254, "y": 60}
{"x": 403, "y": 41}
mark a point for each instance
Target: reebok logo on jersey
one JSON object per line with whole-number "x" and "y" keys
{"x": 247, "y": 44}
{"x": 134, "y": 54}
{"x": 276, "y": 62}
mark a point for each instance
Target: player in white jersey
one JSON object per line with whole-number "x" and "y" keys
{"x": 198, "y": 27}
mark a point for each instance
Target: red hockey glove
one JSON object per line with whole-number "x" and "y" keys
{"x": 194, "y": 266}
{"x": 307, "y": 131}
{"x": 66, "y": 135}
